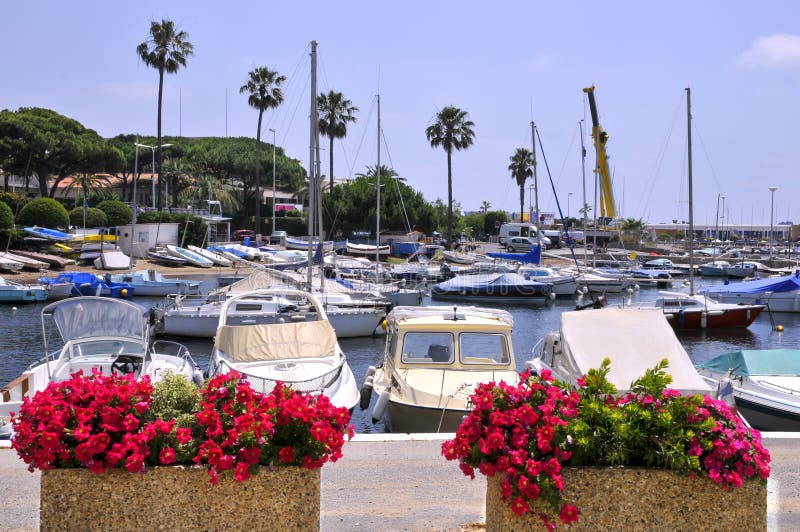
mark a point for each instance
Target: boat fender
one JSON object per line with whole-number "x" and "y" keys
{"x": 703, "y": 319}
{"x": 380, "y": 406}
{"x": 197, "y": 377}
{"x": 366, "y": 394}
{"x": 552, "y": 296}
{"x": 370, "y": 371}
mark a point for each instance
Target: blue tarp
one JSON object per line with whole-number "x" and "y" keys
{"x": 784, "y": 362}
{"x": 787, "y": 283}
{"x": 533, "y": 256}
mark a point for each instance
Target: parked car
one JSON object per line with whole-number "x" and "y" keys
{"x": 241, "y": 234}
{"x": 521, "y": 244}
{"x": 278, "y": 238}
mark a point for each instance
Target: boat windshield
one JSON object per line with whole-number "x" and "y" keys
{"x": 483, "y": 348}
{"x": 106, "y": 347}
{"x": 428, "y": 348}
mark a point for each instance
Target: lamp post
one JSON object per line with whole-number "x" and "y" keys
{"x": 772, "y": 190}
{"x": 153, "y": 170}
{"x": 135, "y": 206}
{"x": 273, "y": 180}
{"x": 569, "y": 195}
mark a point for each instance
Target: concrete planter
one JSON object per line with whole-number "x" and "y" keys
{"x": 179, "y": 498}
{"x": 639, "y": 499}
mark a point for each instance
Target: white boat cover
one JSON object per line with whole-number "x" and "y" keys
{"x": 88, "y": 316}
{"x": 250, "y": 343}
{"x": 403, "y": 313}
{"x": 634, "y": 339}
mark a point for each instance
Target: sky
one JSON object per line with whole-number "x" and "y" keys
{"x": 506, "y": 63}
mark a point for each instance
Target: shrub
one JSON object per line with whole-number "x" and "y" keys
{"x": 117, "y": 212}
{"x": 528, "y": 431}
{"x": 44, "y": 212}
{"x": 6, "y": 217}
{"x": 13, "y": 200}
{"x": 94, "y": 217}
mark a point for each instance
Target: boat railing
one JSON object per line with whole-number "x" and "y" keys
{"x": 314, "y": 386}
{"x": 779, "y": 388}
{"x": 167, "y": 347}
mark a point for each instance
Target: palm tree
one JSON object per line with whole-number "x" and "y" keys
{"x": 335, "y": 111}
{"x": 205, "y": 186}
{"x": 452, "y": 131}
{"x": 99, "y": 183}
{"x": 166, "y": 50}
{"x": 485, "y": 205}
{"x": 521, "y": 169}
{"x": 264, "y": 92}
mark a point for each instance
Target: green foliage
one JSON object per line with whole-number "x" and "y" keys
{"x": 13, "y": 200}
{"x": 174, "y": 397}
{"x": 490, "y": 219}
{"x": 44, "y": 212}
{"x": 191, "y": 229}
{"x": 94, "y": 217}
{"x": 6, "y": 217}
{"x": 117, "y": 212}
{"x": 292, "y": 225}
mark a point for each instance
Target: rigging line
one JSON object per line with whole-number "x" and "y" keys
{"x": 279, "y": 117}
{"x": 363, "y": 135}
{"x": 406, "y": 221}
{"x": 705, "y": 152}
{"x": 661, "y": 155}
{"x": 294, "y": 113}
{"x": 552, "y": 185}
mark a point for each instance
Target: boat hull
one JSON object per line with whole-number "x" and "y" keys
{"x": 777, "y": 301}
{"x": 406, "y": 418}
{"x": 730, "y": 318}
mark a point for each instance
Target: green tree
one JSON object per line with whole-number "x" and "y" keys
{"x": 117, "y": 212}
{"x": 493, "y": 220}
{"x": 485, "y": 205}
{"x": 205, "y": 186}
{"x": 49, "y": 145}
{"x": 93, "y": 217}
{"x": 6, "y": 217}
{"x": 165, "y": 50}
{"x": 335, "y": 111}
{"x": 13, "y": 200}
{"x": 97, "y": 184}
{"x": 452, "y": 131}
{"x": 263, "y": 89}
{"x": 521, "y": 169}
{"x": 44, "y": 212}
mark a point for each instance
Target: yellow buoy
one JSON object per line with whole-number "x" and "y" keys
{"x": 124, "y": 292}
{"x": 779, "y": 328}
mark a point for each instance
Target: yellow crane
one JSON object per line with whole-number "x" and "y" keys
{"x": 600, "y": 137}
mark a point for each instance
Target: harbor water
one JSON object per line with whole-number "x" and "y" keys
{"x": 21, "y": 339}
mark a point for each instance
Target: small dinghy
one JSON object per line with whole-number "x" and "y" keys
{"x": 195, "y": 259}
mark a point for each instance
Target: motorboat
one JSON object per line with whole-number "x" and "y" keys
{"x": 697, "y": 311}
{"x": 299, "y": 350}
{"x": 564, "y": 284}
{"x": 216, "y": 258}
{"x": 651, "y": 277}
{"x": 112, "y": 260}
{"x": 743, "y": 269}
{"x": 493, "y": 287}
{"x": 56, "y": 289}
{"x": 659, "y": 264}
{"x": 634, "y": 339}
{"x": 195, "y": 259}
{"x": 765, "y": 382}
{"x": 459, "y": 257}
{"x": 602, "y": 283}
{"x": 433, "y": 359}
{"x": 49, "y": 234}
{"x": 715, "y": 268}
{"x": 368, "y": 250}
{"x": 11, "y": 292}
{"x": 299, "y": 243}
{"x": 153, "y": 283}
{"x": 97, "y": 334}
{"x": 89, "y": 284}
{"x": 780, "y": 294}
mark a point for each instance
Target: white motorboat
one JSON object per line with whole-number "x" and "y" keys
{"x": 602, "y": 283}
{"x": 494, "y": 287}
{"x": 153, "y": 283}
{"x": 195, "y": 259}
{"x": 433, "y": 359}
{"x": 459, "y": 257}
{"x": 301, "y": 350}
{"x": 112, "y": 260}
{"x": 780, "y": 294}
{"x": 765, "y": 382}
{"x": 368, "y": 250}
{"x": 564, "y": 284}
{"x": 715, "y": 268}
{"x": 11, "y": 292}
{"x": 97, "y": 333}
{"x": 695, "y": 311}
{"x": 216, "y": 258}
{"x": 634, "y": 339}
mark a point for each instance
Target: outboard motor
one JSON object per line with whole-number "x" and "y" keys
{"x": 725, "y": 392}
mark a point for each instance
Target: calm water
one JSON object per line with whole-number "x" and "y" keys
{"x": 21, "y": 339}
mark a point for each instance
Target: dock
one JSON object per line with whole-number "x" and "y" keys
{"x": 400, "y": 482}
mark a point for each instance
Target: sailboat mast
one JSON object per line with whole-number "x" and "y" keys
{"x": 378, "y": 188}
{"x": 691, "y": 205}
{"x": 583, "y": 176}
{"x": 312, "y": 182}
{"x": 535, "y": 186}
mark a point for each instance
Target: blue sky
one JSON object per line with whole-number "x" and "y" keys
{"x": 505, "y": 63}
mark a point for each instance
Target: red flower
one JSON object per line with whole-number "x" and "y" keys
{"x": 167, "y": 455}
{"x": 520, "y": 506}
{"x": 286, "y": 455}
{"x": 568, "y": 514}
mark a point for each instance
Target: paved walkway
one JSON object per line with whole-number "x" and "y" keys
{"x": 398, "y": 482}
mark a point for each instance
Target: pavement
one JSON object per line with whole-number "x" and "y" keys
{"x": 400, "y": 482}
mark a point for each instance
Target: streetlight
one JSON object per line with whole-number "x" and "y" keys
{"x": 569, "y": 195}
{"x": 273, "y": 180}
{"x": 153, "y": 170}
{"x": 772, "y": 190}
{"x": 135, "y": 205}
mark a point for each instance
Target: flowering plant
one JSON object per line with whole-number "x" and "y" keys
{"x": 103, "y": 422}
{"x": 528, "y": 431}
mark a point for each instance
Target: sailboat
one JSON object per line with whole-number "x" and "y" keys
{"x": 696, "y": 311}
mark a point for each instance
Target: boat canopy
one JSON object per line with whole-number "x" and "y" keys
{"x": 533, "y": 256}
{"x": 749, "y": 362}
{"x": 447, "y": 312}
{"x": 634, "y": 339}
{"x": 787, "y": 283}
{"x": 494, "y": 280}
{"x": 280, "y": 341}
{"x": 89, "y": 316}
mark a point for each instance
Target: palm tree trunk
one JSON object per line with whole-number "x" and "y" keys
{"x": 158, "y": 141}
{"x": 449, "y": 199}
{"x": 330, "y": 153}
{"x": 521, "y": 203}
{"x": 258, "y": 176}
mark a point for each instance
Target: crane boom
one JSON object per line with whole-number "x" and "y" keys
{"x": 600, "y": 137}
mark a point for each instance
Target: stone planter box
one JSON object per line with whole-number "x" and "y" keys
{"x": 639, "y": 499}
{"x": 179, "y": 498}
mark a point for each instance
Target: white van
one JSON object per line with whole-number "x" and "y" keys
{"x": 512, "y": 229}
